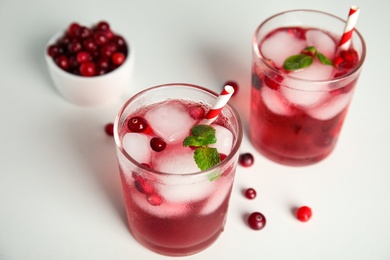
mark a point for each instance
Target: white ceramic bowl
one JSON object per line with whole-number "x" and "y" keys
{"x": 90, "y": 91}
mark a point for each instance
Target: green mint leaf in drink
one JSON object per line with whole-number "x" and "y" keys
{"x": 323, "y": 59}
{"x": 311, "y": 51}
{"x": 297, "y": 62}
{"x": 206, "y": 157}
{"x": 201, "y": 135}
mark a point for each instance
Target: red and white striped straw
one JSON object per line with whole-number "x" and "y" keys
{"x": 220, "y": 102}
{"x": 346, "y": 39}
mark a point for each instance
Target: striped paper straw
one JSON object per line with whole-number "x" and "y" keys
{"x": 220, "y": 102}
{"x": 346, "y": 39}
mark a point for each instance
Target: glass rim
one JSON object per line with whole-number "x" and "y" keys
{"x": 326, "y": 81}
{"x": 236, "y": 144}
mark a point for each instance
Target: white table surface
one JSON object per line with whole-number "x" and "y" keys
{"x": 60, "y": 194}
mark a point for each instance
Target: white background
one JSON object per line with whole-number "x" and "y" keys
{"x": 60, "y": 194}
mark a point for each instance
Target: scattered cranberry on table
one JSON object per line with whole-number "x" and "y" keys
{"x": 256, "y": 221}
{"x": 88, "y": 51}
{"x": 246, "y": 159}
{"x": 109, "y": 129}
{"x": 250, "y": 193}
{"x": 304, "y": 213}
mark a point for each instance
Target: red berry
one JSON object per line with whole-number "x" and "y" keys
{"x": 142, "y": 184}
{"x": 222, "y": 156}
{"x": 100, "y": 38}
{"x": 89, "y": 45}
{"x": 250, "y": 193}
{"x": 118, "y": 58}
{"x": 196, "y": 112}
{"x": 82, "y": 56}
{"x": 109, "y": 129}
{"x": 157, "y": 144}
{"x": 87, "y": 69}
{"x": 256, "y": 221}
{"x": 273, "y": 81}
{"x": 154, "y": 199}
{"x": 63, "y": 62}
{"x": 232, "y": 84}
{"x": 137, "y": 124}
{"x": 74, "y": 46}
{"x": 73, "y": 27}
{"x": 304, "y": 213}
{"x": 246, "y": 159}
{"x": 103, "y": 25}
{"x": 53, "y": 50}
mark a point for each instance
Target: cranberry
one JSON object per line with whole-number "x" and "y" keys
{"x": 273, "y": 80}
{"x": 256, "y": 81}
{"x": 234, "y": 85}
{"x": 154, "y": 199}
{"x": 53, "y": 50}
{"x": 346, "y": 60}
{"x": 222, "y": 156}
{"x": 119, "y": 41}
{"x": 137, "y": 124}
{"x": 63, "y": 62}
{"x": 118, "y": 58}
{"x": 87, "y": 69}
{"x": 250, "y": 193}
{"x": 74, "y": 46}
{"x": 83, "y": 56}
{"x": 256, "y": 221}
{"x": 246, "y": 159}
{"x": 142, "y": 184}
{"x": 72, "y": 29}
{"x": 100, "y": 38}
{"x": 102, "y": 25}
{"x": 298, "y": 32}
{"x": 103, "y": 63}
{"x": 304, "y": 213}
{"x": 109, "y": 129}
{"x": 73, "y": 62}
{"x": 196, "y": 112}
{"x": 157, "y": 144}
{"x": 83, "y": 32}
{"x": 89, "y": 45}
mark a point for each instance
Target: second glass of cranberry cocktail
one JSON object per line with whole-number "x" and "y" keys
{"x": 302, "y": 85}
{"x": 176, "y": 173}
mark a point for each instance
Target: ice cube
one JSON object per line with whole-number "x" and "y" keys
{"x": 138, "y": 147}
{"x": 332, "y": 107}
{"x": 180, "y": 160}
{"x": 322, "y": 41}
{"x": 185, "y": 192}
{"x": 316, "y": 71}
{"x": 175, "y": 159}
{"x": 224, "y": 139}
{"x": 275, "y": 101}
{"x": 165, "y": 210}
{"x": 223, "y": 187}
{"x": 170, "y": 121}
{"x": 280, "y": 46}
{"x": 301, "y": 92}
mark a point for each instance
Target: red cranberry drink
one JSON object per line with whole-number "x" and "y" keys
{"x": 302, "y": 85}
{"x": 176, "y": 173}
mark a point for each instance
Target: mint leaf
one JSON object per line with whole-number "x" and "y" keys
{"x": 311, "y": 51}
{"x": 201, "y": 135}
{"x": 323, "y": 59}
{"x": 206, "y": 157}
{"x": 296, "y": 62}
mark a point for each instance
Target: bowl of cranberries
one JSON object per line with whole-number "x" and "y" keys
{"x": 89, "y": 65}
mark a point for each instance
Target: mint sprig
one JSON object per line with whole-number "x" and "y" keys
{"x": 305, "y": 59}
{"x": 201, "y": 136}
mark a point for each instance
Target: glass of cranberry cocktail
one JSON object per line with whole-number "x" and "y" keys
{"x": 302, "y": 85}
{"x": 176, "y": 173}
